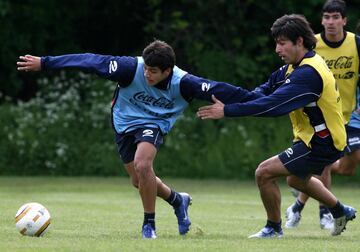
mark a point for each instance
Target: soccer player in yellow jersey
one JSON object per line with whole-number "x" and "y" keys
{"x": 304, "y": 88}
{"x": 340, "y": 49}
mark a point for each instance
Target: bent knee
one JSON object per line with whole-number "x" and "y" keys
{"x": 142, "y": 165}
{"x": 262, "y": 173}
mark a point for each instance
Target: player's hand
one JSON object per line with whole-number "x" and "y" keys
{"x": 29, "y": 63}
{"x": 215, "y": 111}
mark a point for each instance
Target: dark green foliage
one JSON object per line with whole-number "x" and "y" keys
{"x": 61, "y": 125}
{"x": 65, "y": 130}
{"x": 224, "y": 40}
{"x": 231, "y": 148}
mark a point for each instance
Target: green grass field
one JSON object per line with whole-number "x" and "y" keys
{"x": 105, "y": 214}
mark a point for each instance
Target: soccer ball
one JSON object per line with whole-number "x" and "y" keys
{"x": 32, "y": 219}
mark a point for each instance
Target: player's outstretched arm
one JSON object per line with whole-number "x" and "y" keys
{"x": 29, "y": 63}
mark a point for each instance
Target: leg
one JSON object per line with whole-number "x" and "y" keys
{"x": 325, "y": 178}
{"x": 293, "y": 213}
{"x": 266, "y": 175}
{"x": 346, "y": 165}
{"x": 143, "y": 163}
{"x": 163, "y": 191}
{"x": 326, "y": 219}
{"x": 179, "y": 201}
{"x": 138, "y": 150}
{"x": 314, "y": 188}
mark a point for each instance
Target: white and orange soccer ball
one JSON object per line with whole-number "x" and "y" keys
{"x": 32, "y": 219}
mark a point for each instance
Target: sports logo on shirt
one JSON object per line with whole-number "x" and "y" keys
{"x": 112, "y": 66}
{"x": 148, "y": 133}
{"x": 149, "y": 100}
{"x": 205, "y": 86}
{"x": 289, "y": 152}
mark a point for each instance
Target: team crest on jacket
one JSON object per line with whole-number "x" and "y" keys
{"x": 148, "y": 133}
{"x": 113, "y": 66}
{"x": 205, "y": 86}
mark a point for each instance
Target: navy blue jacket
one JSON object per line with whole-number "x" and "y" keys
{"x": 273, "y": 98}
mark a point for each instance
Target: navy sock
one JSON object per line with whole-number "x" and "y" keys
{"x": 274, "y": 225}
{"x": 298, "y": 206}
{"x": 337, "y": 210}
{"x": 323, "y": 210}
{"x": 149, "y": 218}
{"x": 174, "y": 199}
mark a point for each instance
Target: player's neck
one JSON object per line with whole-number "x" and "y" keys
{"x": 335, "y": 37}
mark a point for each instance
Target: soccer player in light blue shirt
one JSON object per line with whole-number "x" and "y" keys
{"x": 151, "y": 93}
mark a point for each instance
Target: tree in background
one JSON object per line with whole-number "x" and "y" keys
{"x": 42, "y": 130}
{"x": 219, "y": 39}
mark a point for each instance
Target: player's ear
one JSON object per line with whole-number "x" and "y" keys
{"x": 167, "y": 71}
{"x": 300, "y": 41}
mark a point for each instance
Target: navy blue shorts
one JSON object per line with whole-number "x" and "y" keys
{"x": 127, "y": 142}
{"x": 302, "y": 161}
{"x": 353, "y": 139}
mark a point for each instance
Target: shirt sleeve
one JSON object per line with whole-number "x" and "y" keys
{"x": 194, "y": 87}
{"x": 115, "y": 68}
{"x": 302, "y": 87}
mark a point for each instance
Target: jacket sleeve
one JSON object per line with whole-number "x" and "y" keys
{"x": 194, "y": 87}
{"x": 114, "y": 68}
{"x": 301, "y": 88}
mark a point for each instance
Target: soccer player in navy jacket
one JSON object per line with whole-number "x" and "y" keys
{"x": 305, "y": 89}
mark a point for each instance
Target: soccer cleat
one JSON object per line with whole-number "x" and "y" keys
{"x": 326, "y": 221}
{"x": 292, "y": 218}
{"x": 340, "y": 223}
{"x": 267, "y": 232}
{"x": 148, "y": 232}
{"x": 181, "y": 213}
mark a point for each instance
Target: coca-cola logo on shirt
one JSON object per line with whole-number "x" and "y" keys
{"x": 147, "y": 99}
{"x": 340, "y": 63}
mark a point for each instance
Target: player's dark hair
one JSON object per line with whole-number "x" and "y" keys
{"x": 159, "y": 54}
{"x": 292, "y": 27}
{"x": 331, "y": 6}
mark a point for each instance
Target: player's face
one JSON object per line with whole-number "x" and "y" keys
{"x": 154, "y": 75}
{"x": 333, "y": 23}
{"x": 288, "y": 51}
